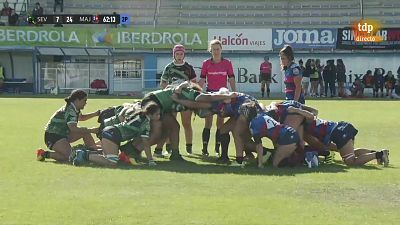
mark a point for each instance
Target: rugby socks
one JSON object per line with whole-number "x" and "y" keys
{"x": 268, "y": 91}
{"x": 217, "y": 140}
{"x": 189, "y": 148}
{"x": 158, "y": 151}
{"x": 46, "y": 154}
{"x": 168, "y": 148}
{"x": 225, "y": 139}
{"x": 262, "y": 92}
{"x": 206, "y": 139}
{"x": 378, "y": 155}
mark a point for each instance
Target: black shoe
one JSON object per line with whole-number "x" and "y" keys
{"x": 204, "y": 152}
{"x": 176, "y": 157}
{"x": 223, "y": 160}
{"x": 158, "y": 153}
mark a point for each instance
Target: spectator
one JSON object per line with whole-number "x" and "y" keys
{"x": 265, "y": 75}
{"x": 59, "y": 3}
{"x": 38, "y": 10}
{"x": 314, "y": 79}
{"x": 13, "y": 18}
{"x": 305, "y": 82}
{"x": 341, "y": 77}
{"x": 396, "y": 92}
{"x": 357, "y": 89}
{"x": 329, "y": 76}
{"x": 2, "y": 78}
{"x": 320, "y": 68}
{"x": 368, "y": 80}
{"x": 390, "y": 81}
{"x": 6, "y": 10}
{"x": 379, "y": 81}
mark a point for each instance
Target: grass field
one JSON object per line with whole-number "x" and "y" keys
{"x": 196, "y": 192}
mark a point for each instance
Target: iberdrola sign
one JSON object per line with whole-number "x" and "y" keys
{"x": 141, "y": 38}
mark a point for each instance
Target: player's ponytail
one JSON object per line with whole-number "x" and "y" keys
{"x": 75, "y": 94}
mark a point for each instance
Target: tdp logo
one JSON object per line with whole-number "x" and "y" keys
{"x": 365, "y": 28}
{"x": 367, "y": 31}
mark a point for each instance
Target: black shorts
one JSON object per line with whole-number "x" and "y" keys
{"x": 51, "y": 139}
{"x": 265, "y": 77}
{"x": 342, "y": 133}
{"x": 314, "y": 79}
{"x": 112, "y": 133}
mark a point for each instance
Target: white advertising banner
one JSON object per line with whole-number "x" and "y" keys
{"x": 243, "y": 39}
{"x": 246, "y": 67}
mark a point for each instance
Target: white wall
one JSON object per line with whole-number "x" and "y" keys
{"x": 246, "y": 66}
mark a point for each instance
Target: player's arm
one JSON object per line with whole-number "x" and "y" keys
{"x": 297, "y": 90}
{"x": 210, "y": 97}
{"x": 83, "y": 117}
{"x": 232, "y": 83}
{"x": 147, "y": 151}
{"x": 259, "y": 149}
{"x": 310, "y": 109}
{"x": 73, "y": 127}
{"x": 190, "y": 104}
{"x": 163, "y": 84}
{"x": 309, "y": 116}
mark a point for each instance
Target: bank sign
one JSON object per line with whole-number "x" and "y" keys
{"x": 304, "y": 38}
{"x": 242, "y": 39}
{"x": 93, "y": 37}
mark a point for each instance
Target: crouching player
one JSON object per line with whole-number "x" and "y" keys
{"x": 63, "y": 129}
{"x": 136, "y": 126}
{"x": 342, "y": 134}
{"x": 284, "y": 138}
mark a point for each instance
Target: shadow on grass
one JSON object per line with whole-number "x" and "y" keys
{"x": 207, "y": 165}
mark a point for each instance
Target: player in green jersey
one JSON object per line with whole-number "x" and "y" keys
{"x": 63, "y": 129}
{"x": 136, "y": 126}
{"x": 174, "y": 74}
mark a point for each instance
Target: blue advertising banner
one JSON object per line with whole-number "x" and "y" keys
{"x": 304, "y": 38}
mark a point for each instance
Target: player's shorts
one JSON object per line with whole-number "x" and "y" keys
{"x": 112, "y": 133}
{"x": 265, "y": 77}
{"x": 50, "y": 139}
{"x": 342, "y": 133}
{"x": 288, "y": 136}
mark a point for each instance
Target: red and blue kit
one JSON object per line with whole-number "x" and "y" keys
{"x": 321, "y": 129}
{"x": 282, "y": 109}
{"x": 327, "y": 131}
{"x": 291, "y": 72}
{"x": 265, "y": 126}
{"x": 232, "y": 109}
{"x": 217, "y": 74}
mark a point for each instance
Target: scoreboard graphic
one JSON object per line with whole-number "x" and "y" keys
{"x": 80, "y": 19}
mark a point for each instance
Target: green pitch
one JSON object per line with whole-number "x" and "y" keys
{"x": 196, "y": 192}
